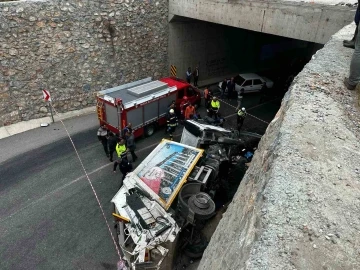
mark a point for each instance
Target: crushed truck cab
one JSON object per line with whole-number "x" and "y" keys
{"x": 163, "y": 195}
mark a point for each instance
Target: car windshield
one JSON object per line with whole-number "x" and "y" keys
{"x": 239, "y": 80}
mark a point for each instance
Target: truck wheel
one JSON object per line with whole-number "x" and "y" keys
{"x": 149, "y": 130}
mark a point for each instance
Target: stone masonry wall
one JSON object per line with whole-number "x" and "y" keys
{"x": 298, "y": 205}
{"x": 74, "y": 49}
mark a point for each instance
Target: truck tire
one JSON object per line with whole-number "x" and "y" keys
{"x": 149, "y": 130}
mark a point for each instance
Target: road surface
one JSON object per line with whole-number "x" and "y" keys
{"x": 49, "y": 217}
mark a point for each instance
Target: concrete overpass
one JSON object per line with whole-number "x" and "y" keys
{"x": 224, "y": 37}
{"x": 313, "y": 21}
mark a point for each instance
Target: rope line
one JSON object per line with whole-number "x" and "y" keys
{"x": 121, "y": 263}
{"x": 222, "y": 100}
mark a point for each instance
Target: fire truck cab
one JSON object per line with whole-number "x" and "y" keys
{"x": 143, "y": 103}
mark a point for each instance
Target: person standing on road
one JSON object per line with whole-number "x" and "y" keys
{"x": 190, "y": 112}
{"x": 264, "y": 92}
{"x": 125, "y": 167}
{"x": 188, "y": 75}
{"x": 196, "y": 76}
{"x": 223, "y": 88}
{"x": 206, "y": 97}
{"x": 112, "y": 141}
{"x": 214, "y": 107}
{"x": 241, "y": 115}
{"x": 184, "y": 103}
{"x": 130, "y": 143}
{"x": 102, "y": 135}
{"x": 231, "y": 88}
{"x": 172, "y": 122}
{"x": 121, "y": 152}
{"x": 239, "y": 100}
{"x": 128, "y": 128}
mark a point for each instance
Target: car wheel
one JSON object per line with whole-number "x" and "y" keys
{"x": 149, "y": 130}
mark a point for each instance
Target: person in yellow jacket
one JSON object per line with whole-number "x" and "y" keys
{"x": 121, "y": 152}
{"x": 214, "y": 107}
{"x": 241, "y": 115}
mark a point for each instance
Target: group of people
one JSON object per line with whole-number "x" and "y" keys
{"x": 120, "y": 145}
{"x": 195, "y": 74}
{"x": 230, "y": 86}
{"x": 212, "y": 105}
{"x": 187, "y": 112}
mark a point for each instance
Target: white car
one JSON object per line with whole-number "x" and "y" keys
{"x": 250, "y": 82}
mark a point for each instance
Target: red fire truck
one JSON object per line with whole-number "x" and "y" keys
{"x": 142, "y": 103}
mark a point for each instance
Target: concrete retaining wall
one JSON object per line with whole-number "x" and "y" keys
{"x": 298, "y": 206}
{"x": 75, "y": 48}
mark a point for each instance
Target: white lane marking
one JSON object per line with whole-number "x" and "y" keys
{"x": 68, "y": 184}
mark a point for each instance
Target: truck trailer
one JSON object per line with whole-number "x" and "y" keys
{"x": 143, "y": 103}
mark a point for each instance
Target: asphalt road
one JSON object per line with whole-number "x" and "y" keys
{"x": 49, "y": 217}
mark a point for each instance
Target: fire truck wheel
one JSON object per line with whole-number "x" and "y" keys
{"x": 149, "y": 130}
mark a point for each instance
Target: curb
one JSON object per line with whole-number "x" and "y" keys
{"x": 20, "y": 127}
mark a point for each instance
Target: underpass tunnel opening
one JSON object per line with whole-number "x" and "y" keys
{"x": 221, "y": 51}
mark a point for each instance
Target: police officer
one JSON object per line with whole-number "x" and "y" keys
{"x": 121, "y": 152}
{"x": 214, "y": 107}
{"x": 241, "y": 115}
{"x": 112, "y": 141}
{"x": 239, "y": 99}
{"x": 172, "y": 122}
{"x": 102, "y": 135}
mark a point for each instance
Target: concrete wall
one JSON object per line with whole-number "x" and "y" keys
{"x": 298, "y": 206}
{"x": 75, "y": 48}
{"x": 221, "y": 50}
{"x": 195, "y": 43}
{"x": 304, "y": 21}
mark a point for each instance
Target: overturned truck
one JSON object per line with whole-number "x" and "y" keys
{"x": 164, "y": 203}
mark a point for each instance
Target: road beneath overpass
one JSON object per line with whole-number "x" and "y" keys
{"x": 49, "y": 218}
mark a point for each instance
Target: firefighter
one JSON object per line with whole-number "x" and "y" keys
{"x": 214, "y": 107}
{"x": 190, "y": 112}
{"x": 184, "y": 103}
{"x": 121, "y": 152}
{"x": 102, "y": 135}
{"x": 172, "y": 122}
{"x": 241, "y": 115}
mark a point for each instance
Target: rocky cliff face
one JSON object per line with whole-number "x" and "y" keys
{"x": 74, "y": 49}
{"x": 298, "y": 206}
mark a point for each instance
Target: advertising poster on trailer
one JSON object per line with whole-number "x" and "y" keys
{"x": 165, "y": 170}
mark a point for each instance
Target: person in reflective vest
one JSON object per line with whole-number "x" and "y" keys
{"x": 121, "y": 152}
{"x": 241, "y": 115}
{"x": 172, "y": 122}
{"x": 214, "y": 107}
